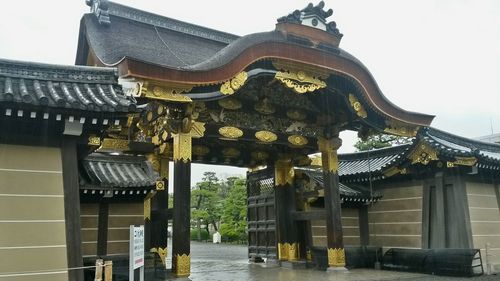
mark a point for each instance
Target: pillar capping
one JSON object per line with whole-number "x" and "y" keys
{"x": 182, "y": 147}
{"x": 329, "y": 145}
{"x": 283, "y": 171}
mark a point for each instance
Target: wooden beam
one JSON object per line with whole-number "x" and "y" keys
{"x": 102, "y": 230}
{"x": 364, "y": 229}
{"x": 72, "y": 207}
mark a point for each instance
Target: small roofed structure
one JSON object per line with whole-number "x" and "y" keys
{"x": 439, "y": 191}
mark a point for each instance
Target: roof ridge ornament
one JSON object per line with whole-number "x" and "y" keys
{"x": 100, "y": 9}
{"x": 313, "y": 16}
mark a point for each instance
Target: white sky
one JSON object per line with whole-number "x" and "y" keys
{"x": 440, "y": 57}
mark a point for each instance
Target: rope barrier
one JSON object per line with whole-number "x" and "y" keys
{"x": 11, "y": 274}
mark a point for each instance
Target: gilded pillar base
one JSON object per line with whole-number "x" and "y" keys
{"x": 336, "y": 257}
{"x": 283, "y": 251}
{"x": 288, "y": 251}
{"x": 293, "y": 251}
{"x": 182, "y": 265}
{"x": 162, "y": 253}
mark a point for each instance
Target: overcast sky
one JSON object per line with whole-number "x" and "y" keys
{"x": 440, "y": 57}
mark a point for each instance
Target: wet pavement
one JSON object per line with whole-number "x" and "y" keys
{"x": 211, "y": 262}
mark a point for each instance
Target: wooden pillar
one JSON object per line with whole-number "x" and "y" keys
{"x": 156, "y": 209}
{"x": 330, "y": 163}
{"x": 364, "y": 229}
{"x": 72, "y": 206}
{"x": 102, "y": 230}
{"x": 284, "y": 194}
{"x": 181, "y": 259}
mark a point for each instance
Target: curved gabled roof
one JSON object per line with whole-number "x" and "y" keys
{"x": 361, "y": 166}
{"x": 148, "y": 46}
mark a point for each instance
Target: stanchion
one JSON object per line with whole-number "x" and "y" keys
{"x": 98, "y": 270}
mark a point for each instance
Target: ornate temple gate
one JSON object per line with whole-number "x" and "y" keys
{"x": 261, "y": 215}
{"x": 267, "y": 100}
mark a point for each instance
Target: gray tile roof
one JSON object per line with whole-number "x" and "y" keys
{"x": 62, "y": 87}
{"x": 347, "y": 192}
{"x": 149, "y": 37}
{"x": 118, "y": 172}
{"x": 362, "y": 166}
{"x": 453, "y": 145}
{"x": 371, "y": 162}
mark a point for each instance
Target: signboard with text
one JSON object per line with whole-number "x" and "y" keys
{"x": 136, "y": 250}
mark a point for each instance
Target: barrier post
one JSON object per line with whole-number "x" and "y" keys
{"x": 98, "y": 270}
{"x": 108, "y": 271}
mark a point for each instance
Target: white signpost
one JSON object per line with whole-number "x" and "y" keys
{"x": 136, "y": 251}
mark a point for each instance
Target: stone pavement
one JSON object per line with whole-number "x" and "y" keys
{"x": 211, "y": 262}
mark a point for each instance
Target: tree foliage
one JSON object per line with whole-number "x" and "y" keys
{"x": 378, "y": 141}
{"x": 234, "y": 213}
{"x": 219, "y": 203}
{"x": 206, "y": 203}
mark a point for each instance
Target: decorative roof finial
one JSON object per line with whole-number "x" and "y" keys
{"x": 100, "y": 10}
{"x": 313, "y": 16}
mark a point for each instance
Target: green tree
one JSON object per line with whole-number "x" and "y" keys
{"x": 206, "y": 202}
{"x": 378, "y": 141}
{"x": 234, "y": 213}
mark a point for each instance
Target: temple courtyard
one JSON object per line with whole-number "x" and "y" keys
{"x": 212, "y": 262}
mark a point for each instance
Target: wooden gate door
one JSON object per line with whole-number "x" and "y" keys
{"x": 261, "y": 215}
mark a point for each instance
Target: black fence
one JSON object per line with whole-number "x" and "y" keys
{"x": 449, "y": 262}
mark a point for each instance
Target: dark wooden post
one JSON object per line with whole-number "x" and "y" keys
{"x": 72, "y": 206}
{"x": 181, "y": 259}
{"x": 288, "y": 246}
{"x": 102, "y": 230}
{"x": 156, "y": 209}
{"x": 330, "y": 162}
{"x": 364, "y": 229}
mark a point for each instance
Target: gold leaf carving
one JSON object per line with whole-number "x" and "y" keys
{"x": 300, "y": 81}
{"x": 229, "y": 103}
{"x": 154, "y": 160}
{"x": 182, "y": 147}
{"x": 462, "y": 161}
{"x": 283, "y": 172}
{"x": 230, "y": 132}
{"x": 400, "y": 129}
{"x": 423, "y": 154}
{"x": 173, "y": 93}
{"x": 296, "y": 114}
{"x": 198, "y": 130}
{"x": 266, "y": 136}
{"x": 147, "y": 208}
{"x": 283, "y": 251}
{"x": 182, "y": 265}
{"x": 94, "y": 141}
{"x": 297, "y": 140}
{"x": 329, "y": 158}
{"x": 114, "y": 144}
{"x": 293, "y": 251}
{"x": 357, "y": 106}
{"x": 260, "y": 155}
{"x": 231, "y": 86}
{"x": 162, "y": 253}
{"x": 336, "y": 257}
{"x": 160, "y": 185}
